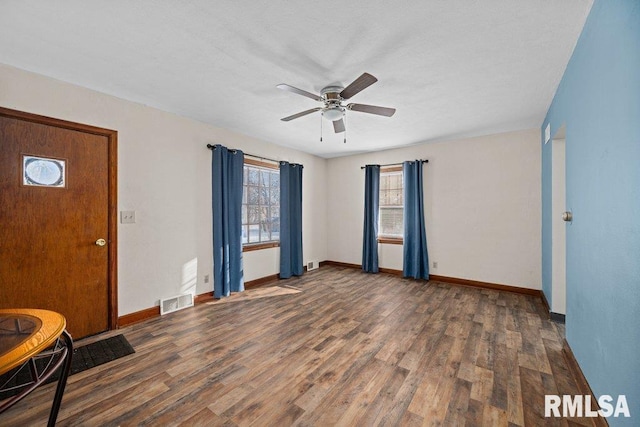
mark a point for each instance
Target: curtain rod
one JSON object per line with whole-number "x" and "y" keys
{"x": 212, "y": 147}
{"x": 397, "y": 164}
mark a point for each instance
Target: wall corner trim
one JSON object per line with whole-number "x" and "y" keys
{"x": 545, "y": 302}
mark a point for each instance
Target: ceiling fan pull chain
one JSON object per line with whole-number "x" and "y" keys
{"x": 344, "y": 118}
{"x": 321, "y": 116}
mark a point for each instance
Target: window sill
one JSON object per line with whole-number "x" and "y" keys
{"x": 390, "y": 240}
{"x": 247, "y": 247}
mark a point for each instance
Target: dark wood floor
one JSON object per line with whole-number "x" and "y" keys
{"x": 336, "y": 347}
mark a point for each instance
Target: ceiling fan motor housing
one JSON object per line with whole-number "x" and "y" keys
{"x": 332, "y": 109}
{"x": 331, "y": 93}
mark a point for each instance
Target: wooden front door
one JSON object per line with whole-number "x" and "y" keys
{"x": 57, "y": 200}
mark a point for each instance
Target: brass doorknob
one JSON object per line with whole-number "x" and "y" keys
{"x": 101, "y": 242}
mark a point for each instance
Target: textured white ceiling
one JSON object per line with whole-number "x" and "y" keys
{"x": 451, "y": 68}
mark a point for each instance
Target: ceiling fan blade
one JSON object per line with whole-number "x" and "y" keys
{"x": 304, "y": 113}
{"x": 338, "y": 126}
{"x": 372, "y": 109}
{"x": 361, "y": 83}
{"x": 299, "y": 91}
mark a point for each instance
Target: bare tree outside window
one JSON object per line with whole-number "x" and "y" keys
{"x": 260, "y": 205}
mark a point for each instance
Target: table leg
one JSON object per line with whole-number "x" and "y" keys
{"x": 62, "y": 381}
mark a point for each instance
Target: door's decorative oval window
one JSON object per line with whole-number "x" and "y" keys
{"x": 43, "y": 172}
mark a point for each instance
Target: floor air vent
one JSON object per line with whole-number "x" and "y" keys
{"x": 169, "y": 305}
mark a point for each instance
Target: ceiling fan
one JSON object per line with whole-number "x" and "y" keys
{"x": 332, "y": 98}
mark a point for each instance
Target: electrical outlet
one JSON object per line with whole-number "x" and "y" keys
{"x": 435, "y": 264}
{"x": 127, "y": 217}
{"x": 206, "y": 278}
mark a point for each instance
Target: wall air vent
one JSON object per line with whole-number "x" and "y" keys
{"x": 169, "y": 305}
{"x": 312, "y": 265}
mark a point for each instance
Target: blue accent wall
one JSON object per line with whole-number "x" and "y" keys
{"x": 599, "y": 101}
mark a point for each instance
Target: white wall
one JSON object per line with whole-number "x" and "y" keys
{"x": 482, "y": 207}
{"x": 164, "y": 174}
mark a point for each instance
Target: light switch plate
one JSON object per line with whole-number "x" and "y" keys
{"x": 127, "y": 217}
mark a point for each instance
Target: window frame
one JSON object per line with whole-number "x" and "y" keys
{"x": 387, "y": 239}
{"x": 253, "y": 246}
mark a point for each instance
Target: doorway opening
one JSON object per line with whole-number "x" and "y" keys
{"x": 558, "y": 225}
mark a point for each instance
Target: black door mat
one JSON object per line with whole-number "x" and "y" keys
{"x": 85, "y": 357}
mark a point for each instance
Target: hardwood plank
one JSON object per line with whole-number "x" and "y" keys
{"x": 205, "y": 418}
{"x": 382, "y": 404}
{"x": 475, "y": 412}
{"x": 459, "y": 403}
{"x": 514, "y": 391}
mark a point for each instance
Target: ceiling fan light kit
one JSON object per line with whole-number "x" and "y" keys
{"x": 333, "y": 113}
{"x": 332, "y": 97}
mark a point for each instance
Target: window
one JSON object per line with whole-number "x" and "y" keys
{"x": 391, "y": 205}
{"x": 260, "y": 205}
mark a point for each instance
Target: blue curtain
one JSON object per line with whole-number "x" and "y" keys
{"x": 226, "y": 183}
{"x": 371, "y": 206}
{"x": 415, "y": 257}
{"x": 291, "y": 263}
